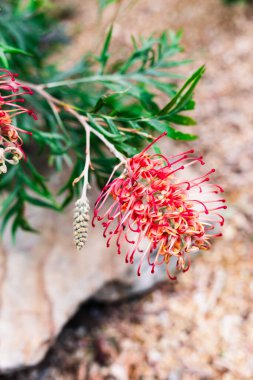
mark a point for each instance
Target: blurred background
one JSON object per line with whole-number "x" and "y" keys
{"x": 199, "y": 327}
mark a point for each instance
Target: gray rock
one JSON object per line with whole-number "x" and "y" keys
{"x": 43, "y": 280}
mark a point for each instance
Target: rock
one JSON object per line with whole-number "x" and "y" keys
{"x": 119, "y": 372}
{"x": 43, "y": 280}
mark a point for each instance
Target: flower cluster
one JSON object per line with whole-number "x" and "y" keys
{"x": 10, "y": 106}
{"x": 81, "y": 220}
{"x": 159, "y": 213}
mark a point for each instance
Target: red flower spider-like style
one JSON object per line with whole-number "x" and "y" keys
{"x": 10, "y": 106}
{"x": 150, "y": 203}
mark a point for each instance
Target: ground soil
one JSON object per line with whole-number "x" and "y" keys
{"x": 200, "y": 327}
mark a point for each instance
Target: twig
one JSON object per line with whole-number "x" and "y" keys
{"x": 110, "y": 146}
{"x": 85, "y": 172}
{"x": 90, "y": 79}
{"x": 136, "y": 131}
{"x": 129, "y": 130}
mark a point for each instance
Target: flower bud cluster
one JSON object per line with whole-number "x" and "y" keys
{"x": 81, "y": 220}
{"x": 10, "y": 106}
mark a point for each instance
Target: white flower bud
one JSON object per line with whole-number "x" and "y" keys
{"x": 80, "y": 224}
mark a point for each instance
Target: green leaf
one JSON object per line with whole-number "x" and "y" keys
{"x": 20, "y": 222}
{"x": 12, "y": 211}
{"x": 177, "y": 135}
{"x": 184, "y": 94}
{"x": 12, "y": 50}
{"x": 108, "y": 99}
{"x": 10, "y": 198}
{"x": 8, "y": 178}
{"x": 94, "y": 123}
{"x": 4, "y": 60}
{"x": 171, "y": 132}
{"x": 41, "y": 202}
{"x": 104, "y": 56}
{"x": 180, "y": 119}
{"x": 111, "y": 125}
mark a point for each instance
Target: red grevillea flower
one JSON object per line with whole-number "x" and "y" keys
{"x": 10, "y": 106}
{"x": 151, "y": 204}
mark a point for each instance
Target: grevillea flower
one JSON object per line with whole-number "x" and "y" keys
{"x": 152, "y": 203}
{"x": 10, "y": 106}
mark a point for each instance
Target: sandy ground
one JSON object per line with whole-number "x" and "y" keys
{"x": 200, "y": 327}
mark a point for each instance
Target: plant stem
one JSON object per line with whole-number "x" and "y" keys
{"x": 110, "y": 146}
{"x": 82, "y": 119}
{"x": 85, "y": 172}
{"x": 93, "y": 78}
{"x": 87, "y": 165}
{"x": 115, "y": 78}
